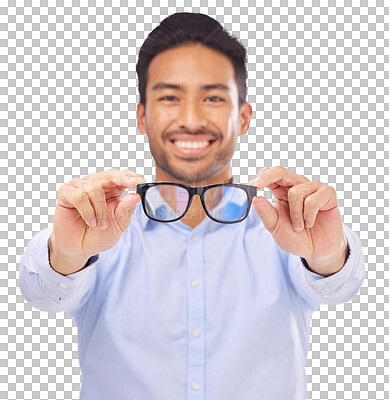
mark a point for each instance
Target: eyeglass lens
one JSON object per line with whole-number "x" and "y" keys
{"x": 169, "y": 202}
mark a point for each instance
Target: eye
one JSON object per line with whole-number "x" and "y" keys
{"x": 165, "y": 97}
{"x": 215, "y": 97}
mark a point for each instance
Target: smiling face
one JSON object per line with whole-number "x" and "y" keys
{"x": 192, "y": 118}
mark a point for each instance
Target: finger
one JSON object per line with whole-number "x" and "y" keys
{"x": 125, "y": 209}
{"x": 264, "y": 169}
{"x": 96, "y": 195}
{"x": 279, "y": 192}
{"x": 115, "y": 182}
{"x": 296, "y": 197}
{"x": 276, "y": 190}
{"x": 117, "y": 191}
{"x": 133, "y": 176}
{"x": 267, "y": 212}
{"x": 109, "y": 185}
{"x": 114, "y": 177}
{"x": 279, "y": 175}
{"x": 323, "y": 199}
{"x": 129, "y": 172}
{"x": 72, "y": 197}
{"x": 114, "y": 193}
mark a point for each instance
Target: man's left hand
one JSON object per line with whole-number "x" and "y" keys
{"x": 306, "y": 219}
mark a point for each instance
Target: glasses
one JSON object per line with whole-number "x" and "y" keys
{"x": 226, "y": 203}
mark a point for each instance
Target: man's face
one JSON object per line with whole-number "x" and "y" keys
{"x": 190, "y": 112}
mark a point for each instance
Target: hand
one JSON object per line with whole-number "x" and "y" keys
{"x": 306, "y": 220}
{"x": 96, "y": 196}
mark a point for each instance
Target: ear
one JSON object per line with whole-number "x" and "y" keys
{"x": 245, "y": 112}
{"x": 141, "y": 118}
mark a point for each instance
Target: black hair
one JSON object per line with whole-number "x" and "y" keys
{"x": 187, "y": 28}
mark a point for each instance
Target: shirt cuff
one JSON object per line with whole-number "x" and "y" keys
{"x": 55, "y": 285}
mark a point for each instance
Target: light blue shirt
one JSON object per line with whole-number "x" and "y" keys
{"x": 219, "y": 312}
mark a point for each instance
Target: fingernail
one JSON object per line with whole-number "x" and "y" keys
{"x": 297, "y": 227}
{"x": 93, "y": 222}
{"x": 103, "y": 223}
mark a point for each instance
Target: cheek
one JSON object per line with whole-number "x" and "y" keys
{"x": 160, "y": 119}
{"x": 233, "y": 126}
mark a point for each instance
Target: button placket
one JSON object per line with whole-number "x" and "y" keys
{"x": 196, "y": 316}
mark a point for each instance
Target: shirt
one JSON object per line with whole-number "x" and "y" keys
{"x": 218, "y": 312}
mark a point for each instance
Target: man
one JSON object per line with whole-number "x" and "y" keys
{"x": 192, "y": 309}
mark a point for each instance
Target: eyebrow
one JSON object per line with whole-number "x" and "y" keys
{"x": 166, "y": 85}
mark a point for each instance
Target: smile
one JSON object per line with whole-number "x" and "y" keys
{"x": 191, "y": 147}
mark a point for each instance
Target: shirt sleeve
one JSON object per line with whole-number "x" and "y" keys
{"x": 337, "y": 288}
{"x": 48, "y": 290}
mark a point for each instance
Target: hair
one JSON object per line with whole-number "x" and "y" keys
{"x": 190, "y": 28}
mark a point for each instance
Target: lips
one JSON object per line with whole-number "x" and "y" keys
{"x": 190, "y": 152}
{"x": 193, "y": 138}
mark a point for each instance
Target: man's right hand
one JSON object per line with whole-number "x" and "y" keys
{"x": 96, "y": 196}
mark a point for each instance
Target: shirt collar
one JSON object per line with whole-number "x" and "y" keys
{"x": 147, "y": 223}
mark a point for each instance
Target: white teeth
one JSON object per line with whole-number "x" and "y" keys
{"x": 191, "y": 145}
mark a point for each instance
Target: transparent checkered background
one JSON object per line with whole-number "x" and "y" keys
{"x": 318, "y": 85}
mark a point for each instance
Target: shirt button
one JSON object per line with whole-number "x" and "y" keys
{"x": 195, "y": 282}
{"x": 63, "y": 285}
{"x": 324, "y": 297}
{"x": 195, "y": 332}
{"x": 195, "y": 385}
{"x": 321, "y": 282}
{"x": 53, "y": 301}
{"x": 195, "y": 238}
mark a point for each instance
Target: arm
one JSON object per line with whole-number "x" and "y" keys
{"x": 306, "y": 222}
{"x": 45, "y": 288}
{"x": 79, "y": 232}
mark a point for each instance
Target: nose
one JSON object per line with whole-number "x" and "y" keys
{"x": 191, "y": 116}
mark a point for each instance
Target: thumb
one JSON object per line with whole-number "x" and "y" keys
{"x": 126, "y": 208}
{"x": 267, "y": 213}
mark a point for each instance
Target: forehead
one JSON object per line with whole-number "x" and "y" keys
{"x": 191, "y": 66}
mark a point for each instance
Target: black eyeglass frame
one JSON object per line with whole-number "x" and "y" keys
{"x": 250, "y": 190}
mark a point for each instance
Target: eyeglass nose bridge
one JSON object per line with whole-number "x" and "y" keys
{"x": 196, "y": 190}
{"x": 193, "y": 190}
